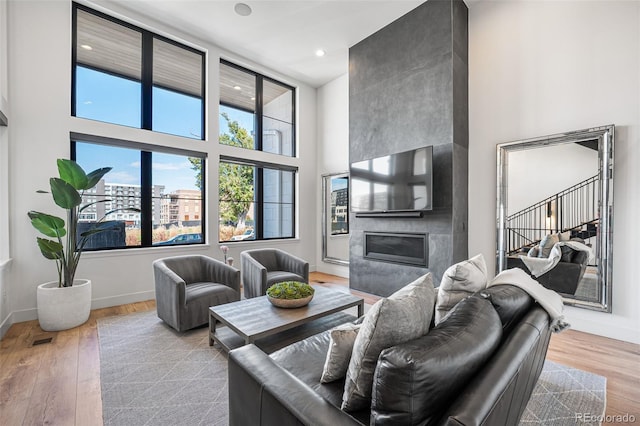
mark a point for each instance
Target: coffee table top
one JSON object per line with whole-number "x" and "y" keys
{"x": 257, "y": 317}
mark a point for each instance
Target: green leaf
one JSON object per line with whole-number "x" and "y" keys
{"x": 94, "y": 177}
{"x": 72, "y": 173}
{"x": 65, "y": 195}
{"x": 51, "y": 226}
{"x": 50, "y": 249}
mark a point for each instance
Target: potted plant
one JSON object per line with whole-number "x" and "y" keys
{"x": 290, "y": 294}
{"x": 66, "y": 303}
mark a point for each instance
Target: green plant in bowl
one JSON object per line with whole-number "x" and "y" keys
{"x": 290, "y": 290}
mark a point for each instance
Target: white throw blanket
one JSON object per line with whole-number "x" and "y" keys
{"x": 549, "y": 300}
{"x": 539, "y": 265}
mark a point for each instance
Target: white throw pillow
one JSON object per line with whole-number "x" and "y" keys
{"x": 341, "y": 343}
{"x": 458, "y": 282}
{"x": 564, "y": 236}
{"x": 547, "y": 244}
{"x": 403, "y": 316}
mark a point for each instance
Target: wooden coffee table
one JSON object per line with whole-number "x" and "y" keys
{"x": 257, "y": 319}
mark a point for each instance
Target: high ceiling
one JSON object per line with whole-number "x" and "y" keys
{"x": 281, "y": 35}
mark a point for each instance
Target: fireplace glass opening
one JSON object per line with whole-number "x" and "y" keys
{"x": 410, "y": 249}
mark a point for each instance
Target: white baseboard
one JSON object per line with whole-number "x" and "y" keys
{"x": 123, "y": 299}
{"x": 24, "y": 315}
{"x": 619, "y": 332}
{"x": 5, "y": 325}
{"x": 104, "y": 302}
{"x": 332, "y": 269}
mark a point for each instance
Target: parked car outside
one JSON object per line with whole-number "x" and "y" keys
{"x": 181, "y": 239}
{"x": 248, "y": 234}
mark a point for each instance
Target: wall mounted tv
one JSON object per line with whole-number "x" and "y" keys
{"x": 401, "y": 182}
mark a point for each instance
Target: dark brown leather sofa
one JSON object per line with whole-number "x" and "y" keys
{"x": 477, "y": 367}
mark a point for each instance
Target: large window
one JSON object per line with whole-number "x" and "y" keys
{"x": 151, "y": 197}
{"x": 263, "y": 108}
{"x": 126, "y": 75}
{"x": 256, "y": 201}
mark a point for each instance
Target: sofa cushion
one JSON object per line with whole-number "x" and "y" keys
{"x": 304, "y": 359}
{"x": 458, "y": 282}
{"x": 403, "y": 316}
{"x": 547, "y": 244}
{"x": 416, "y": 381}
{"x": 274, "y": 277}
{"x": 341, "y": 340}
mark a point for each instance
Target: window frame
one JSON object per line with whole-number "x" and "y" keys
{"x": 146, "y": 77}
{"x": 146, "y": 185}
{"x": 259, "y": 107}
{"x": 259, "y": 196}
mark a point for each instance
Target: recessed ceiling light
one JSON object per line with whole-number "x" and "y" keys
{"x": 242, "y": 9}
{"x": 320, "y": 52}
{"x": 86, "y": 47}
{"x": 237, "y": 87}
{"x": 253, "y": 98}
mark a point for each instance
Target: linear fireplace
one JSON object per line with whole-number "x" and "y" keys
{"x": 410, "y": 249}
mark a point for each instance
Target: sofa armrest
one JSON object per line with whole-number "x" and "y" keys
{"x": 499, "y": 393}
{"x": 169, "y": 285}
{"x": 263, "y": 393}
{"x": 254, "y": 276}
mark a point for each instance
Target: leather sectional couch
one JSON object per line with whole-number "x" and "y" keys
{"x": 476, "y": 367}
{"x": 564, "y": 277}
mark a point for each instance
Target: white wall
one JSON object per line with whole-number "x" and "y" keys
{"x": 4, "y": 176}
{"x": 539, "y": 68}
{"x": 536, "y": 174}
{"x": 333, "y": 154}
{"x": 40, "y": 88}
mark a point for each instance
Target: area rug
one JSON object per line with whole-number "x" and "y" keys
{"x": 152, "y": 375}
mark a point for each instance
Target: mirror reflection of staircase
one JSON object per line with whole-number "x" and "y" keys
{"x": 573, "y": 209}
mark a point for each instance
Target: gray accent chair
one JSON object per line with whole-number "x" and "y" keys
{"x": 186, "y": 286}
{"x": 261, "y": 268}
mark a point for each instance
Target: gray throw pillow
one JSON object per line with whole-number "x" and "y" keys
{"x": 547, "y": 244}
{"x": 403, "y": 316}
{"x": 341, "y": 342}
{"x": 567, "y": 254}
{"x": 458, "y": 282}
{"x": 533, "y": 252}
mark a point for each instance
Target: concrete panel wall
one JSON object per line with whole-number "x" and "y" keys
{"x": 408, "y": 89}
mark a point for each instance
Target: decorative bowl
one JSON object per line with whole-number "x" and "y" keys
{"x": 290, "y": 303}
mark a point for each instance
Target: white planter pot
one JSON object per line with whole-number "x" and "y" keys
{"x": 61, "y": 308}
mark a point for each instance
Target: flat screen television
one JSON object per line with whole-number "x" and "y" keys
{"x": 401, "y": 182}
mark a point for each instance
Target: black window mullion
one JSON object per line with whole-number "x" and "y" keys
{"x": 203, "y": 197}
{"x": 74, "y": 55}
{"x": 259, "y": 111}
{"x": 147, "y": 80}
{"x": 259, "y": 207}
{"x": 293, "y": 123}
{"x": 203, "y": 112}
{"x": 146, "y": 201}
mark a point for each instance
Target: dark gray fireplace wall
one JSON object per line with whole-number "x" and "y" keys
{"x": 408, "y": 88}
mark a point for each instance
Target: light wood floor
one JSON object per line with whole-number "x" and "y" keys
{"x": 58, "y": 383}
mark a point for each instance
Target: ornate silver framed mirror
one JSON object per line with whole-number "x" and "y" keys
{"x": 335, "y": 218}
{"x": 555, "y": 213}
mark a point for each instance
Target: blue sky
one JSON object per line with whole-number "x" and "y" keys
{"x": 112, "y": 99}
